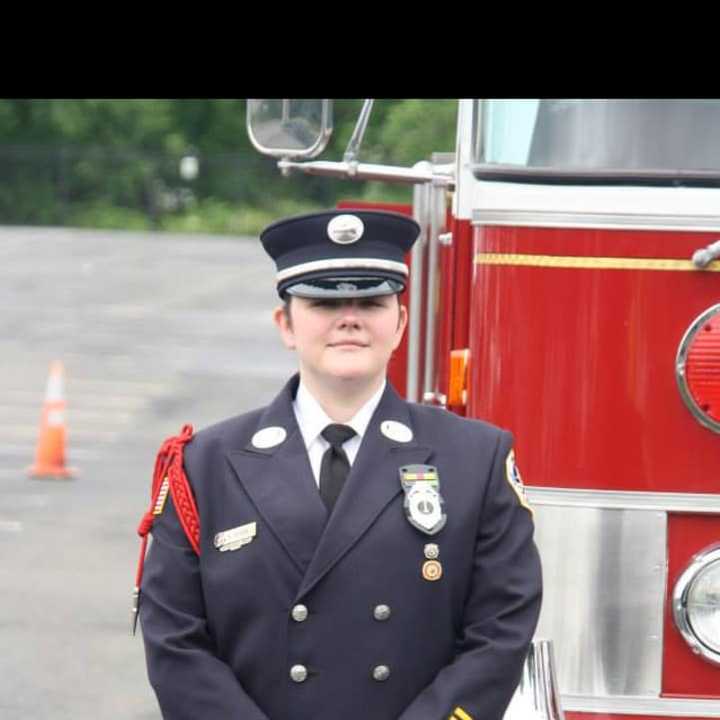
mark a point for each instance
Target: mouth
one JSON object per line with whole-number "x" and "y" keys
{"x": 347, "y": 344}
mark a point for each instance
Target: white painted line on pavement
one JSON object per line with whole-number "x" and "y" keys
{"x": 26, "y": 399}
{"x": 28, "y": 451}
{"x": 21, "y": 500}
{"x": 12, "y": 473}
{"x": 10, "y": 413}
{"x": 20, "y": 432}
{"x": 10, "y": 526}
{"x": 112, "y": 383}
{"x": 82, "y": 415}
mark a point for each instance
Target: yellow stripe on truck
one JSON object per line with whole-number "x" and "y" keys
{"x": 592, "y": 263}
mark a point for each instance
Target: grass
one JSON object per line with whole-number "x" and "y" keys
{"x": 207, "y": 216}
{"x": 216, "y": 216}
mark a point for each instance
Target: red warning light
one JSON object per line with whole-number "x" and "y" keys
{"x": 698, "y": 368}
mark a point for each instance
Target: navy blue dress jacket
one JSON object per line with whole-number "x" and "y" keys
{"x": 220, "y": 631}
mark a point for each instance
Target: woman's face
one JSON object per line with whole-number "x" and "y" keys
{"x": 349, "y": 339}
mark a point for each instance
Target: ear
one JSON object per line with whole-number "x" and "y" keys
{"x": 284, "y": 327}
{"x": 402, "y": 324}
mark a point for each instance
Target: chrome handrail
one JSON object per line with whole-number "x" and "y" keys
{"x": 537, "y": 696}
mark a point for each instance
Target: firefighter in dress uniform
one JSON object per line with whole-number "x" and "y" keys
{"x": 358, "y": 557}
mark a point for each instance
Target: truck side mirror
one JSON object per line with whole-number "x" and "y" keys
{"x": 289, "y": 128}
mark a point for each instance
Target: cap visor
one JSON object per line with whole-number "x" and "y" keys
{"x": 346, "y": 287}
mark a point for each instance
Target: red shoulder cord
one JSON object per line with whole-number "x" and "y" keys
{"x": 168, "y": 476}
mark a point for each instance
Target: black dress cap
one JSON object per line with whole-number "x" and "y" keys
{"x": 341, "y": 253}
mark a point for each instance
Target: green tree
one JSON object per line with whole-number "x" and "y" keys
{"x": 115, "y": 163}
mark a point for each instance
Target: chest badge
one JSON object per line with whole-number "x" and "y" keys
{"x": 423, "y": 501}
{"x": 236, "y": 537}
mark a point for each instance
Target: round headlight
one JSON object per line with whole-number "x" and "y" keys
{"x": 696, "y": 604}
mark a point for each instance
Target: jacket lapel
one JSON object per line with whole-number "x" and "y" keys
{"x": 280, "y": 482}
{"x": 372, "y": 483}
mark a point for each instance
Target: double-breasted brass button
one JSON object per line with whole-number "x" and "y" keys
{"x": 381, "y": 612}
{"x": 298, "y": 673}
{"x": 299, "y": 613}
{"x": 381, "y": 673}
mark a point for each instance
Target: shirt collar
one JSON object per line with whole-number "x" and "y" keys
{"x": 312, "y": 419}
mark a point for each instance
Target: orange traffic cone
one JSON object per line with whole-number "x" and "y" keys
{"x": 50, "y": 454}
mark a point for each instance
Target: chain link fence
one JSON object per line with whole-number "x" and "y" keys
{"x": 100, "y": 186}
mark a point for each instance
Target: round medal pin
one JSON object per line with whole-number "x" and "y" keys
{"x": 396, "y": 431}
{"x": 432, "y": 570}
{"x": 269, "y": 437}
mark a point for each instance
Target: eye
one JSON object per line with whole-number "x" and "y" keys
{"x": 324, "y": 303}
{"x": 371, "y": 303}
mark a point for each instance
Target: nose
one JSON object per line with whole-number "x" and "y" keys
{"x": 349, "y": 315}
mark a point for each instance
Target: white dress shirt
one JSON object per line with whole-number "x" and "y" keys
{"x": 312, "y": 420}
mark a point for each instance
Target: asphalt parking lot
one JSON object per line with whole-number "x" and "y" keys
{"x": 154, "y": 331}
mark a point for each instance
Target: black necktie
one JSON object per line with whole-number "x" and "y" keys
{"x": 335, "y": 466}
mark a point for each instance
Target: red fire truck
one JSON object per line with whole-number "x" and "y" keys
{"x": 565, "y": 287}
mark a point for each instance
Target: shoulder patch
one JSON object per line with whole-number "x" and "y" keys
{"x": 512, "y": 475}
